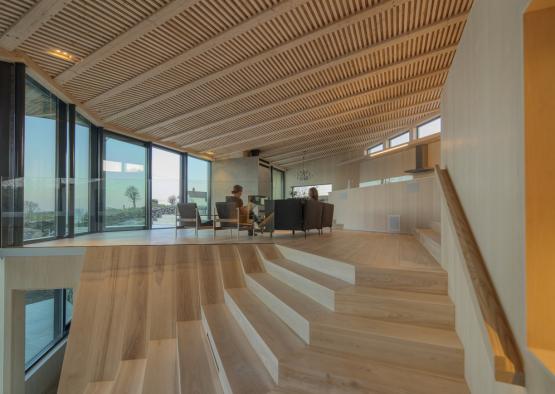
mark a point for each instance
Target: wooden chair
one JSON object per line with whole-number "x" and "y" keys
{"x": 188, "y": 216}
{"x": 230, "y": 217}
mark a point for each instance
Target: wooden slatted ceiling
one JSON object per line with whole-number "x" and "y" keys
{"x": 229, "y": 76}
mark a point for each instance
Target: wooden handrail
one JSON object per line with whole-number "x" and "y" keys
{"x": 507, "y": 358}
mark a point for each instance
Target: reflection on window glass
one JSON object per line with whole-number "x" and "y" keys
{"x": 46, "y": 321}
{"x": 430, "y": 128}
{"x": 198, "y": 183}
{"x": 40, "y": 327}
{"x": 166, "y": 169}
{"x": 399, "y": 140}
{"x": 40, "y": 162}
{"x": 68, "y": 299}
{"x": 82, "y": 173}
{"x": 125, "y": 184}
{"x": 278, "y": 184}
{"x": 375, "y": 149}
{"x": 302, "y": 191}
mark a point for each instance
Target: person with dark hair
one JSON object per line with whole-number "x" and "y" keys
{"x": 313, "y": 193}
{"x": 236, "y": 194}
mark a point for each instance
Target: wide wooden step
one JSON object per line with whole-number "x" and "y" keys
{"x": 337, "y": 269}
{"x": 431, "y": 281}
{"x": 197, "y": 369}
{"x": 314, "y": 284}
{"x": 422, "y": 348}
{"x": 431, "y": 240}
{"x": 101, "y": 387}
{"x": 292, "y": 307}
{"x": 315, "y": 371}
{"x": 161, "y": 374}
{"x": 239, "y": 368}
{"x": 130, "y": 377}
{"x": 268, "y": 335}
{"x": 429, "y": 310}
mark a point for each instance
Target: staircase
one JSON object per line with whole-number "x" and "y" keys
{"x": 246, "y": 319}
{"x": 430, "y": 238}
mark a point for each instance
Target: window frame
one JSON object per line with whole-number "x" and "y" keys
{"x": 369, "y": 150}
{"x": 182, "y": 180}
{"x": 60, "y": 314}
{"x": 208, "y": 180}
{"x": 407, "y": 132}
{"x": 102, "y": 210}
{"x": 426, "y": 123}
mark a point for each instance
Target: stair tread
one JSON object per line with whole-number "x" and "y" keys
{"x": 198, "y": 374}
{"x": 130, "y": 376}
{"x": 281, "y": 340}
{"x": 401, "y": 295}
{"x": 244, "y": 370}
{"x": 161, "y": 375}
{"x": 299, "y": 302}
{"x": 315, "y": 276}
{"x": 430, "y": 233}
{"x": 99, "y": 387}
{"x": 364, "y": 326}
{"x": 366, "y": 376}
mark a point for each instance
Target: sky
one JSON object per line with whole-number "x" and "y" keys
{"x": 126, "y": 162}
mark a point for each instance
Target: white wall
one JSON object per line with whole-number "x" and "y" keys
{"x": 395, "y": 164}
{"x": 226, "y": 173}
{"x": 30, "y": 269}
{"x": 326, "y": 171}
{"x": 367, "y": 208}
{"x": 482, "y": 147}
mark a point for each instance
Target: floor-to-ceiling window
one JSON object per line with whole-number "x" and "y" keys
{"x": 198, "y": 183}
{"x": 125, "y": 181}
{"x": 278, "y": 184}
{"x": 47, "y": 317}
{"x": 40, "y": 162}
{"x": 82, "y": 173}
{"x": 166, "y": 186}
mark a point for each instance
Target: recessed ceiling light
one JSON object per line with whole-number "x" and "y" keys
{"x": 63, "y": 55}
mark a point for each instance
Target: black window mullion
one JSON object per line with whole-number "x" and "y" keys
{"x": 71, "y": 171}
{"x": 148, "y": 202}
{"x": 61, "y": 169}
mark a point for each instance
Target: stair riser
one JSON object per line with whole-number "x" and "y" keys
{"x": 221, "y": 372}
{"x": 420, "y": 282}
{"x": 318, "y": 293}
{"x": 337, "y": 269}
{"x": 268, "y": 358}
{"x": 426, "y": 357}
{"x": 295, "y": 321}
{"x": 399, "y": 311}
{"x": 430, "y": 245}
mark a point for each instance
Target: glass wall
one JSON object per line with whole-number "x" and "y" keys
{"x": 40, "y": 163}
{"x": 125, "y": 181}
{"x": 278, "y": 184}
{"x": 82, "y": 173}
{"x": 47, "y": 318}
{"x": 166, "y": 174}
{"x": 198, "y": 183}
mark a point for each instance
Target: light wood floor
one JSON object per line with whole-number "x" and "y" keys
{"x": 154, "y": 237}
{"x": 246, "y": 318}
{"x": 363, "y": 248}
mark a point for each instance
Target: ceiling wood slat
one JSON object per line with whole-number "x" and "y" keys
{"x": 31, "y": 22}
{"x": 261, "y": 18}
{"x": 147, "y": 25}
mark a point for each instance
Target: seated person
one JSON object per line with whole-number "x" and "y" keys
{"x": 313, "y": 194}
